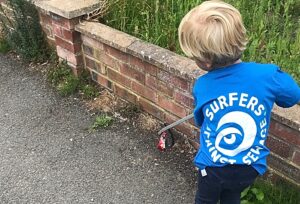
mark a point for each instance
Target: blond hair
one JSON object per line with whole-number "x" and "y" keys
{"x": 213, "y": 32}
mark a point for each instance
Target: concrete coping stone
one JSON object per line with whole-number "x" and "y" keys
{"x": 68, "y": 8}
{"x": 169, "y": 61}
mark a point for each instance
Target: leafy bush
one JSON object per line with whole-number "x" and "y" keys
{"x": 273, "y": 26}
{"x": 23, "y": 30}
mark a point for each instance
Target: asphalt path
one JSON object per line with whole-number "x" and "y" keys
{"x": 48, "y": 156}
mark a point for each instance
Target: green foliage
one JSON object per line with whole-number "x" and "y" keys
{"x": 102, "y": 121}
{"x": 68, "y": 86}
{"x": 66, "y": 83}
{"x": 24, "y": 32}
{"x": 273, "y": 26}
{"x": 89, "y": 91}
{"x": 63, "y": 79}
{"x": 263, "y": 192}
{"x": 4, "y": 46}
{"x": 252, "y": 195}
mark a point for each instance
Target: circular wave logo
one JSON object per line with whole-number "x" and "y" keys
{"x": 236, "y": 133}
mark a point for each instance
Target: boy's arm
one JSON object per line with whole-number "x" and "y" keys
{"x": 287, "y": 90}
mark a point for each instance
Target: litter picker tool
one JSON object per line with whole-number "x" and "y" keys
{"x": 166, "y": 140}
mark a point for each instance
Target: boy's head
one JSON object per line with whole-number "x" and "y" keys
{"x": 213, "y": 34}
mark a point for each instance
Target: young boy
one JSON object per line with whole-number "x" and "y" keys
{"x": 233, "y": 102}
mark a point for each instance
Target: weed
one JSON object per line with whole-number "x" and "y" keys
{"x": 102, "y": 121}
{"x": 89, "y": 91}
{"x": 4, "y": 46}
{"x": 68, "y": 86}
{"x": 263, "y": 192}
{"x": 58, "y": 74}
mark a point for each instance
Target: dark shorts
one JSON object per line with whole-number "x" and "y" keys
{"x": 224, "y": 184}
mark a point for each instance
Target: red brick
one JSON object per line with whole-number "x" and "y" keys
{"x": 69, "y": 56}
{"x": 296, "y": 157}
{"x": 153, "y": 83}
{"x": 185, "y": 99}
{"x": 72, "y": 47}
{"x": 91, "y": 64}
{"x": 92, "y": 42}
{"x": 88, "y": 50}
{"x": 48, "y": 31}
{"x": 125, "y": 94}
{"x": 132, "y": 73}
{"x": 117, "y": 77}
{"x": 45, "y": 19}
{"x": 285, "y": 133}
{"x": 173, "y": 80}
{"x": 116, "y": 53}
{"x": 144, "y": 91}
{"x": 103, "y": 81}
{"x": 171, "y": 106}
{"x": 57, "y": 30}
{"x": 279, "y": 147}
{"x": 151, "y": 108}
{"x": 64, "y": 22}
{"x": 106, "y": 59}
{"x": 143, "y": 66}
{"x": 71, "y": 35}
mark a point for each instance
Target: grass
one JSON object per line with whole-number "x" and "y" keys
{"x": 4, "y": 46}
{"x": 263, "y": 192}
{"x": 273, "y": 26}
{"x": 67, "y": 84}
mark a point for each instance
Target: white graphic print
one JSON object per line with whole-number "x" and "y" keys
{"x": 230, "y": 134}
{"x": 240, "y": 135}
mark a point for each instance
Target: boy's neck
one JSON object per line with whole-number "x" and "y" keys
{"x": 236, "y": 62}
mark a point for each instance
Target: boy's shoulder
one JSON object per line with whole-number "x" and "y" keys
{"x": 242, "y": 69}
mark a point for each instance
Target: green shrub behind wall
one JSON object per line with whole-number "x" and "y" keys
{"x": 24, "y": 32}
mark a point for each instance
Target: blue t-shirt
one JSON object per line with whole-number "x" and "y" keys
{"x": 233, "y": 107}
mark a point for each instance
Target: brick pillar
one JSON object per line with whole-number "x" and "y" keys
{"x": 68, "y": 41}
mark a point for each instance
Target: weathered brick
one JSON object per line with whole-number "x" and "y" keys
{"x": 103, "y": 81}
{"x": 156, "y": 84}
{"x": 48, "y": 31}
{"x": 72, "y": 47}
{"x": 71, "y": 35}
{"x": 171, "y": 106}
{"x": 106, "y": 59}
{"x": 92, "y": 42}
{"x": 116, "y": 53}
{"x": 285, "y": 133}
{"x": 45, "y": 19}
{"x": 173, "y": 80}
{"x": 64, "y": 22}
{"x": 184, "y": 99}
{"x": 151, "y": 108}
{"x": 143, "y": 66}
{"x": 279, "y": 147}
{"x": 91, "y": 64}
{"x": 132, "y": 73}
{"x": 284, "y": 167}
{"x": 125, "y": 94}
{"x": 117, "y": 77}
{"x": 144, "y": 91}
{"x": 88, "y": 50}
{"x": 69, "y": 56}
{"x": 296, "y": 157}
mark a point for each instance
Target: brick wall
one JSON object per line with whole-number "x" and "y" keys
{"x": 157, "y": 80}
